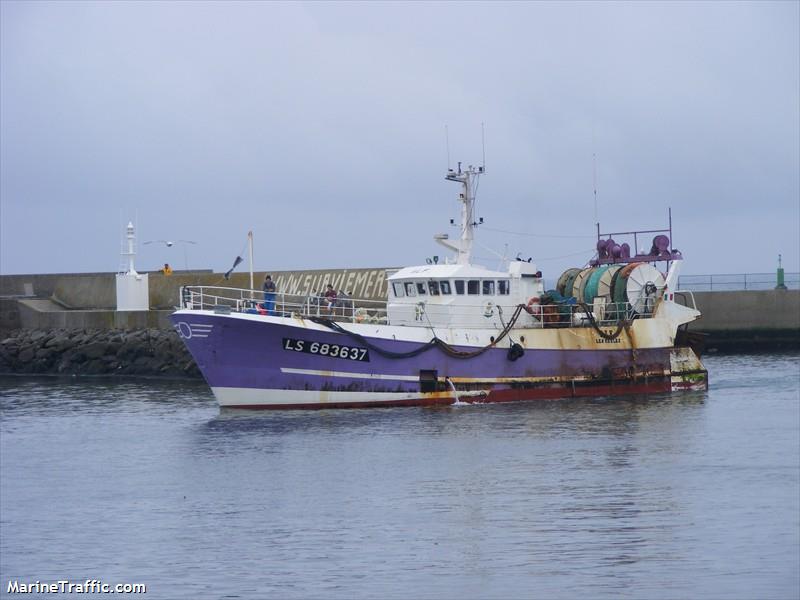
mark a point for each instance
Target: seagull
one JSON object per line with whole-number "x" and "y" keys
{"x": 170, "y": 243}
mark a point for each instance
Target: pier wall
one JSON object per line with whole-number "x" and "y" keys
{"x": 750, "y": 319}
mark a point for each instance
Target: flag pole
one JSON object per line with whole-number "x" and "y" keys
{"x": 250, "y": 247}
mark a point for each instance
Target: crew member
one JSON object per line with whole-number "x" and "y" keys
{"x": 269, "y": 294}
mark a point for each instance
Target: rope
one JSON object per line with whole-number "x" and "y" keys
{"x": 500, "y": 315}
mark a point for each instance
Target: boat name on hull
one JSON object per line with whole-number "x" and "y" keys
{"x": 330, "y": 350}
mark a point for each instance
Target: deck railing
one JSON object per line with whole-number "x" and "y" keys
{"x": 420, "y": 314}
{"x": 537, "y": 316}
{"x": 226, "y": 299}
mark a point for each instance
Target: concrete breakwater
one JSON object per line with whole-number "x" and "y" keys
{"x": 143, "y": 352}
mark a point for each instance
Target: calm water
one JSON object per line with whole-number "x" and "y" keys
{"x": 694, "y": 495}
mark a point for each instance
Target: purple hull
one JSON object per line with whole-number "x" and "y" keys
{"x": 241, "y": 358}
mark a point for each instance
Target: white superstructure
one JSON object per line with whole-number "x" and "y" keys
{"x": 459, "y": 293}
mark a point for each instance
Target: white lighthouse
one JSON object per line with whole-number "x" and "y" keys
{"x": 133, "y": 289}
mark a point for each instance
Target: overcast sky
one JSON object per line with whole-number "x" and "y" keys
{"x": 321, "y": 127}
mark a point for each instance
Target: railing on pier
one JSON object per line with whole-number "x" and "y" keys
{"x": 738, "y": 281}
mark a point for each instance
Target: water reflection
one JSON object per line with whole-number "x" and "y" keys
{"x": 605, "y": 418}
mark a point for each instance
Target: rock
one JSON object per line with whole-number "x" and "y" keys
{"x": 95, "y": 367}
{"x": 40, "y": 365}
{"x": 137, "y": 336}
{"x": 95, "y": 350}
{"x": 142, "y": 361}
{"x": 44, "y": 352}
{"x": 58, "y": 341}
{"x": 72, "y": 354}
{"x": 125, "y": 350}
{"x": 79, "y": 339}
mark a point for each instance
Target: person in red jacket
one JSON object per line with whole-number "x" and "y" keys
{"x": 330, "y": 297}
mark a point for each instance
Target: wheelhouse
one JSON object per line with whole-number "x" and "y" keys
{"x": 461, "y": 295}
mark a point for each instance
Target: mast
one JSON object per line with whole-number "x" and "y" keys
{"x": 468, "y": 178}
{"x": 250, "y": 257}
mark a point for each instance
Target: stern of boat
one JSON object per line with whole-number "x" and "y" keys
{"x": 687, "y": 370}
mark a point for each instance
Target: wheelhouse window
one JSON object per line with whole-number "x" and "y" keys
{"x": 421, "y": 288}
{"x": 433, "y": 288}
{"x": 503, "y": 287}
{"x": 488, "y": 287}
{"x": 473, "y": 287}
{"x": 399, "y": 292}
{"x": 410, "y": 290}
{"x": 444, "y": 286}
{"x": 460, "y": 287}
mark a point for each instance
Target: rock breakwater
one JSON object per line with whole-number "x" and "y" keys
{"x": 144, "y": 352}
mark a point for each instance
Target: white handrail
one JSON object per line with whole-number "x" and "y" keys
{"x": 244, "y": 300}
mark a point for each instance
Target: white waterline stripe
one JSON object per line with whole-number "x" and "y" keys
{"x": 228, "y": 396}
{"x": 349, "y": 375}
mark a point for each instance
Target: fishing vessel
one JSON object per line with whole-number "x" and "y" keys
{"x": 456, "y": 332}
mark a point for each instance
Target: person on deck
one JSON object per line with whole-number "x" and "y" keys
{"x": 167, "y": 270}
{"x": 269, "y": 294}
{"x": 330, "y": 297}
